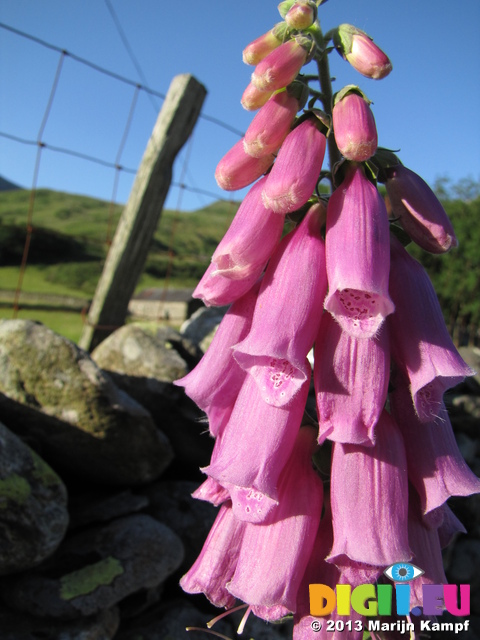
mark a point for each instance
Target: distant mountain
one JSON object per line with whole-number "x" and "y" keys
{"x": 6, "y": 185}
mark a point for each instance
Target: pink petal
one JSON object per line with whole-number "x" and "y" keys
{"x": 435, "y": 465}
{"x": 274, "y": 554}
{"x": 293, "y": 177}
{"x": 217, "y": 291}
{"x": 237, "y": 169}
{"x": 253, "y": 449}
{"x": 421, "y": 213}
{"x": 271, "y": 125}
{"x": 369, "y": 494}
{"x": 217, "y": 561}
{"x": 215, "y": 382}
{"x": 280, "y": 67}
{"x": 251, "y": 238}
{"x": 358, "y": 277}
{"x": 420, "y": 343}
{"x": 287, "y": 314}
{"x": 351, "y": 382}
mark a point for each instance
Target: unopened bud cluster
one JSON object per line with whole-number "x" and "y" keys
{"x": 341, "y": 286}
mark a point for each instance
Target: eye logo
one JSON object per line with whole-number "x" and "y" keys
{"x": 402, "y": 572}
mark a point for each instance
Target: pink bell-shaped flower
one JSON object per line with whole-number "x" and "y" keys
{"x": 259, "y": 48}
{"x": 354, "y": 125}
{"x": 288, "y": 313}
{"x": 271, "y": 125}
{"x": 369, "y": 496}
{"x": 274, "y": 555}
{"x": 217, "y": 561}
{"x": 237, "y": 169}
{"x": 216, "y": 380}
{"x": 301, "y": 15}
{"x": 358, "y": 256}
{"x": 351, "y": 382}
{"x": 421, "y": 346}
{"x": 253, "y": 449}
{"x": 436, "y": 467}
{"x": 419, "y": 210}
{"x": 251, "y": 238}
{"x": 280, "y": 67}
{"x": 253, "y": 98}
{"x": 294, "y": 176}
{"x": 217, "y": 290}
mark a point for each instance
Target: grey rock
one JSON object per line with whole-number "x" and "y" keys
{"x": 52, "y": 393}
{"x": 97, "y": 569}
{"x": 16, "y": 626}
{"x": 33, "y": 506}
{"x": 171, "y": 502}
{"x": 144, "y": 360}
{"x": 93, "y": 506}
{"x": 200, "y": 328}
{"x": 136, "y": 350}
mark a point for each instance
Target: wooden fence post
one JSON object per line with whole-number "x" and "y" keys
{"x": 126, "y": 259}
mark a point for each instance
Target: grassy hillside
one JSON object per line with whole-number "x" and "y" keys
{"x": 69, "y": 243}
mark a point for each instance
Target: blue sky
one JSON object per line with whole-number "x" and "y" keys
{"x": 427, "y": 107}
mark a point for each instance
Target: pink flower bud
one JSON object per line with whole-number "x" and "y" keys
{"x": 237, "y": 169}
{"x": 421, "y": 213}
{"x": 361, "y": 52}
{"x": 358, "y": 275}
{"x": 354, "y": 126}
{"x": 281, "y": 66}
{"x": 253, "y": 98}
{"x": 265, "y": 44}
{"x": 301, "y": 15}
{"x": 295, "y": 173}
{"x": 271, "y": 125}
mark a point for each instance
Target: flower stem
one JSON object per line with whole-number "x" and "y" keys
{"x": 326, "y": 90}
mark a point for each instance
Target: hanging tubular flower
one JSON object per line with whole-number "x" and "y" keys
{"x": 351, "y": 382}
{"x": 217, "y": 561}
{"x": 216, "y": 380}
{"x": 436, "y": 467}
{"x": 420, "y": 343}
{"x": 251, "y": 238}
{"x": 274, "y": 555}
{"x": 237, "y": 169}
{"x": 354, "y": 125}
{"x": 275, "y": 351}
{"x": 272, "y": 123}
{"x": 280, "y": 67}
{"x": 357, "y": 218}
{"x": 419, "y": 210}
{"x": 264, "y": 44}
{"x": 294, "y": 176}
{"x": 217, "y": 290}
{"x": 361, "y": 52}
{"x": 253, "y": 449}
{"x": 253, "y": 98}
{"x": 369, "y": 495}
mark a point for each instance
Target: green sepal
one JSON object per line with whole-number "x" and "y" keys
{"x": 349, "y": 88}
{"x": 343, "y": 37}
{"x": 401, "y": 235}
{"x": 285, "y": 6}
{"x": 384, "y": 159}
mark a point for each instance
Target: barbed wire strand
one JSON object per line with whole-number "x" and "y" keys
{"x": 129, "y": 49}
{"x": 31, "y": 203}
{"x": 112, "y": 74}
{"x": 118, "y": 167}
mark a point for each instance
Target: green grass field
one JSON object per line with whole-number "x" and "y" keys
{"x": 69, "y": 245}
